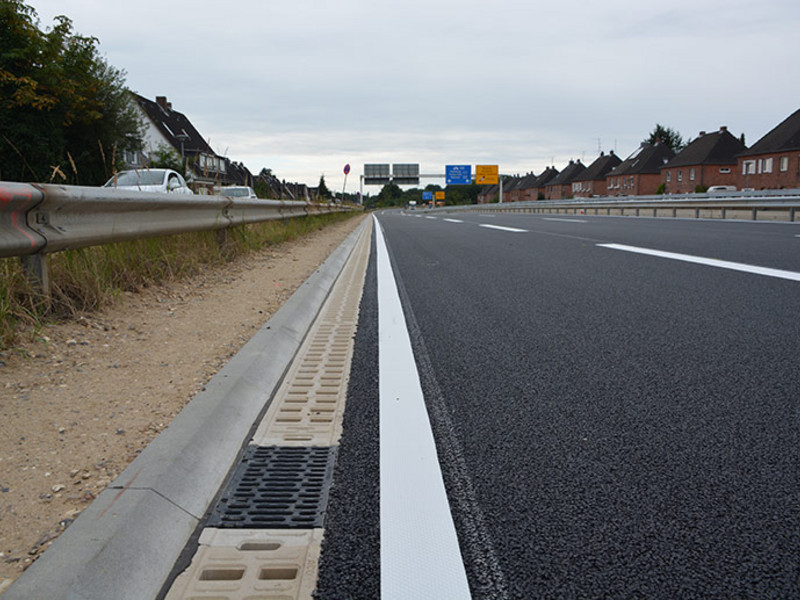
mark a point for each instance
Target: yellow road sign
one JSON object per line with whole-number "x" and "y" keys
{"x": 440, "y": 195}
{"x": 487, "y": 174}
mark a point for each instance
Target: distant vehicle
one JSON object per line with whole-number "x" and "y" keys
{"x": 237, "y": 191}
{"x": 721, "y": 189}
{"x": 150, "y": 180}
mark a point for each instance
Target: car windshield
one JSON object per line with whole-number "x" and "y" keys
{"x": 126, "y": 178}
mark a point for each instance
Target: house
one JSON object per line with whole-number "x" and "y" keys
{"x": 773, "y": 162}
{"x": 511, "y": 189}
{"x": 592, "y": 182}
{"x": 488, "y": 194}
{"x": 560, "y": 187}
{"x": 527, "y": 187}
{"x": 640, "y": 173}
{"x": 711, "y": 159}
{"x": 537, "y": 189}
{"x": 166, "y": 127}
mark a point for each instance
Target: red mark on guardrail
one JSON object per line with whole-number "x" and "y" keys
{"x": 21, "y": 194}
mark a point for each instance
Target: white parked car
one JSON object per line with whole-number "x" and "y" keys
{"x": 150, "y": 180}
{"x": 237, "y": 191}
{"x": 721, "y": 189}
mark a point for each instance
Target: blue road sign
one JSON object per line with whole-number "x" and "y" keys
{"x": 427, "y": 195}
{"x": 458, "y": 174}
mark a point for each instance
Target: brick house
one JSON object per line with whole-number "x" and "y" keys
{"x": 488, "y": 194}
{"x": 640, "y": 173}
{"x": 538, "y": 187}
{"x": 560, "y": 187}
{"x": 592, "y": 182}
{"x": 773, "y": 162}
{"x": 708, "y": 160}
{"x": 511, "y": 191}
{"x": 527, "y": 187}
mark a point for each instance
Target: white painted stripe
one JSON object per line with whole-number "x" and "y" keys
{"x": 564, "y": 220}
{"x": 420, "y": 557}
{"x": 501, "y": 228}
{"x": 711, "y": 262}
{"x": 430, "y": 217}
{"x": 453, "y": 221}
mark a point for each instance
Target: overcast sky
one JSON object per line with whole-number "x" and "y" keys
{"x": 305, "y": 86}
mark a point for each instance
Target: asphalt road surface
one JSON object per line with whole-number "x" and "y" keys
{"x": 615, "y": 404}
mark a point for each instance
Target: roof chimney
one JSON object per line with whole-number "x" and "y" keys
{"x": 162, "y": 102}
{"x": 723, "y": 128}
{"x": 702, "y": 133}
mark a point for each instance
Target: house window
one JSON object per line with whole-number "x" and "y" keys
{"x": 765, "y": 165}
{"x": 680, "y": 175}
{"x": 749, "y": 167}
{"x": 669, "y": 176}
{"x": 725, "y": 170}
{"x": 691, "y": 174}
{"x": 784, "y": 163}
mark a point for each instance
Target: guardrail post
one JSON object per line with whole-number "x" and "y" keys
{"x": 38, "y": 274}
{"x": 791, "y": 214}
{"x": 755, "y": 214}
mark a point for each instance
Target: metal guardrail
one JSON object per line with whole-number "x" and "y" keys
{"x": 38, "y": 219}
{"x": 778, "y": 204}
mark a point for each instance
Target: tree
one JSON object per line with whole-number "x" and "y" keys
{"x": 322, "y": 189}
{"x": 667, "y": 136}
{"x": 64, "y": 112}
{"x": 165, "y": 157}
{"x": 390, "y": 195}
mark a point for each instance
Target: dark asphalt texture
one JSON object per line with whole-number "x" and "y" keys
{"x": 350, "y": 561}
{"x": 610, "y": 425}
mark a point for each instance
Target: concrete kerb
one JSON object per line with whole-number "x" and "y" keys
{"x": 126, "y": 542}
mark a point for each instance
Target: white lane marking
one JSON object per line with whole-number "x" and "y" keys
{"x": 564, "y": 220}
{"x": 420, "y": 557}
{"x": 453, "y": 221}
{"x": 711, "y": 262}
{"x": 501, "y": 228}
{"x": 430, "y": 217}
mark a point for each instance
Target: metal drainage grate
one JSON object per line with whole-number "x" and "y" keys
{"x": 277, "y": 488}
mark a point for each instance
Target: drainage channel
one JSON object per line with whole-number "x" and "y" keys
{"x": 264, "y": 536}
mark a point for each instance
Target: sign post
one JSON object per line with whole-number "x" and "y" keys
{"x": 346, "y": 173}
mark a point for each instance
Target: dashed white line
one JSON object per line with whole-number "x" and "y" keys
{"x": 564, "y": 220}
{"x": 501, "y": 228}
{"x": 420, "y": 556}
{"x": 430, "y": 217}
{"x": 453, "y": 221}
{"x": 711, "y": 262}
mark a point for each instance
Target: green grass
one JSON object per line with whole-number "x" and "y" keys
{"x": 87, "y": 279}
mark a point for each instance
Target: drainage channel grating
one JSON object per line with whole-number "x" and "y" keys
{"x": 277, "y": 488}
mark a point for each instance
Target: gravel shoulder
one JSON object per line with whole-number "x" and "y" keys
{"x": 80, "y": 402}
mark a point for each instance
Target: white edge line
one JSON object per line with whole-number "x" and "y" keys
{"x": 564, "y": 220}
{"x": 711, "y": 262}
{"x": 420, "y": 555}
{"x": 501, "y": 228}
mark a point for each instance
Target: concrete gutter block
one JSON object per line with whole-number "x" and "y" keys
{"x": 100, "y": 555}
